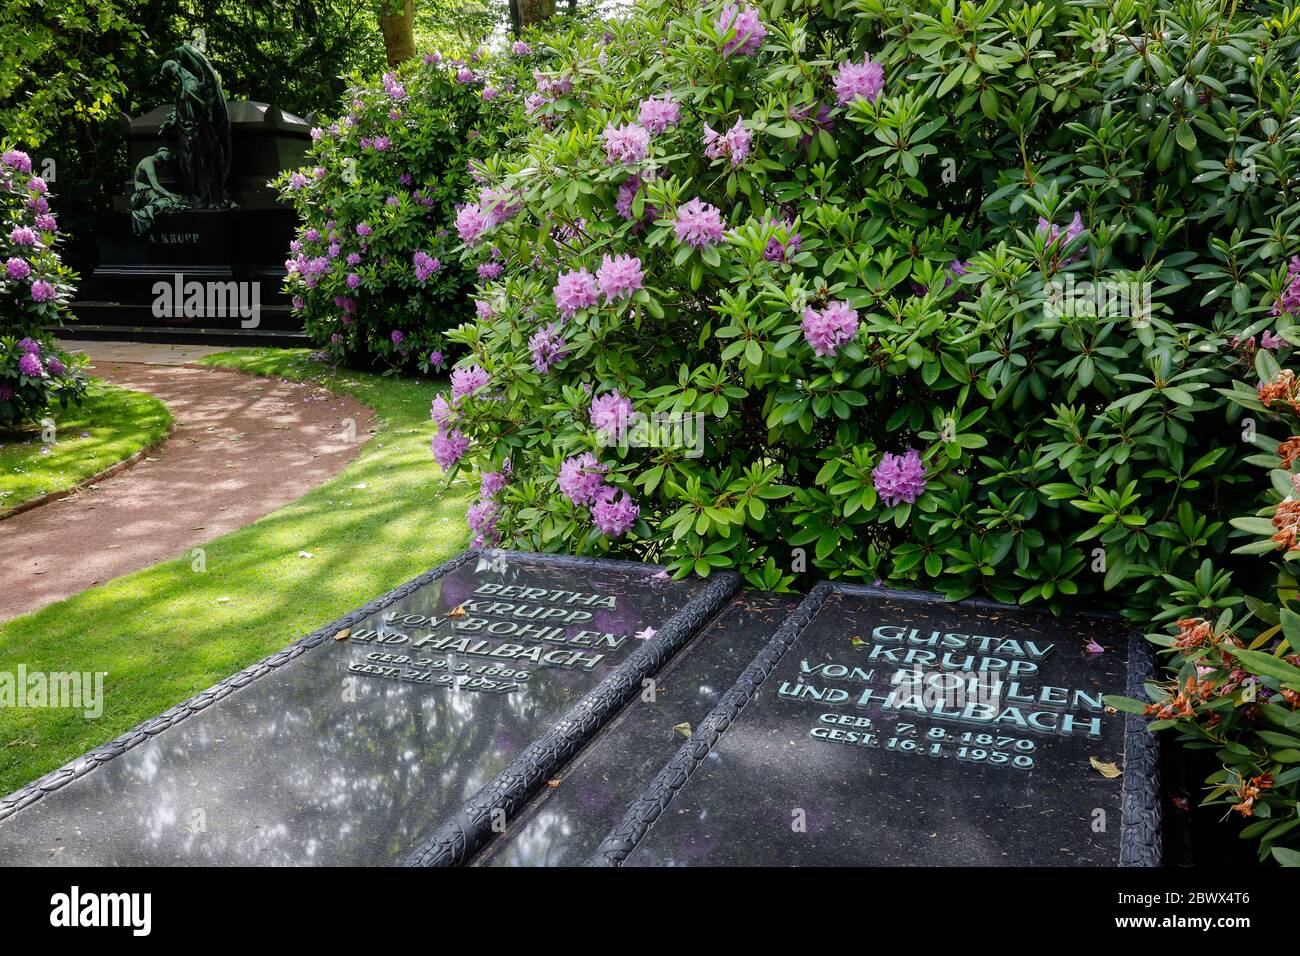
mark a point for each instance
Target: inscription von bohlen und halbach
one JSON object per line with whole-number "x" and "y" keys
{"x": 888, "y": 728}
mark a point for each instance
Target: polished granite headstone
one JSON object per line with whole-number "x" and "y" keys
{"x": 885, "y": 728}
{"x": 568, "y": 818}
{"x": 468, "y": 687}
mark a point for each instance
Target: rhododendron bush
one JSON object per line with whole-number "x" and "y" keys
{"x": 372, "y": 268}
{"x": 950, "y": 296}
{"x": 35, "y": 287}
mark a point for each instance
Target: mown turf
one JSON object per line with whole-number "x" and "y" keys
{"x": 110, "y": 425}
{"x": 169, "y": 631}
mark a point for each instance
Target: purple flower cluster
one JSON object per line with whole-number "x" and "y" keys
{"x": 778, "y": 251}
{"x": 659, "y": 114}
{"x": 625, "y": 144}
{"x": 619, "y": 277}
{"x": 425, "y": 265}
{"x": 1290, "y": 301}
{"x": 42, "y": 291}
{"x": 16, "y": 268}
{"x": 1072, "y": 231}
{"x": 899, "y": 478}
{"x": 611, "y": 414}
{"x": 449, "y": 446}
{"x": 582, "y": 481}
{"x": 581, "y": 478}
{"x": 548, "y": 347}
{"x": 575, "y": 290}
{"x": 745, "y": 30}
{"x": 830, "y": 328}
{"x": 30, "y": 364}
{"x": 698, "y": 224}
{"x": 16, "y": 159}
{"x": 470, "y": 223}
{"x": 614, "y": 511}
{"x": 862, "y": 80}
{"x": 466, "y": 381}
{"x": 732, "y": 145}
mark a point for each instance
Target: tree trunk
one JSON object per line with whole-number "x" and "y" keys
{"x": 514, "y": 17}
{"x": 397, "y": 23}
{"x": 532, "y": 12}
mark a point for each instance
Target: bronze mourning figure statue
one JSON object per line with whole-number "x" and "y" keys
{"x": 197, "y": 137}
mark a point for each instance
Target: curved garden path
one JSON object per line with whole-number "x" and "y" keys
{"x": 244, "y": 445}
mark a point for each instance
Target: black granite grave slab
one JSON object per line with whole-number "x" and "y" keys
{"x": 568, "y": 818}
{"x": 870, "y": 731}
{"x": 472, "y": 684}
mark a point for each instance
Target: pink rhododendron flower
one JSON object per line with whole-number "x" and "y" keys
{"x": 619, "y": 277}
{"x": 698, "y": 224}
{"x": 1072, "y": 232}
{"x": 425, "y": 265}
{"x": 899, "y": 478}
{"x": 659, "y": 114}
{"x": 749, "y": 32}
{"x": 466, "y": 381}
{"x": 732, "y": 145}
{"x": 830, "y": 328}
{"x": 548, "y": 347}
{"x": 574, "y": 290}
{"x": 16, "y": 268}
{"x": 520, "y": 48}
{"x": 626, "y": 197}
{"x": 1270, "y": 341}
{"x": 449, "y": 447}
{"x": 441, "y": 410}
{"x": 482, "y": 519}
{"x": 17, "y": 159}
{"x": 470, "y": 223}
{"x": 29, "y": 364}
{"x": 611, "y": 414}
{"x": 581, "y": 478}
{"x": 37, "y": 185}
{"x": 42, "y": 291}
{"x": 862, "y": 80}
{"x": 491, "y": 482}
{"x": 625, "y": 144}
{"x": 614, "y": 512}
{"x": 22, "y": 236}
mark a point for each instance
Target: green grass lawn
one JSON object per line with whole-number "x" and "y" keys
{"x": 167, "y": 632}
{"x": 110, "y": 425}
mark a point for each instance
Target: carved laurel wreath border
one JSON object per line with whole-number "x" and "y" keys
{"x": 651, "y": 655}
{"x": 1140, "y": 843}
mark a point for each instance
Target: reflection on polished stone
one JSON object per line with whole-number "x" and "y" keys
{"x": 566, "y": 822}
{"x": 355, "y": 750}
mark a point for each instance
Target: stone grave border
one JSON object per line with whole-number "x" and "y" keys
{"x": 679, "y": 628}
{"x": 1140, "y": 843}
